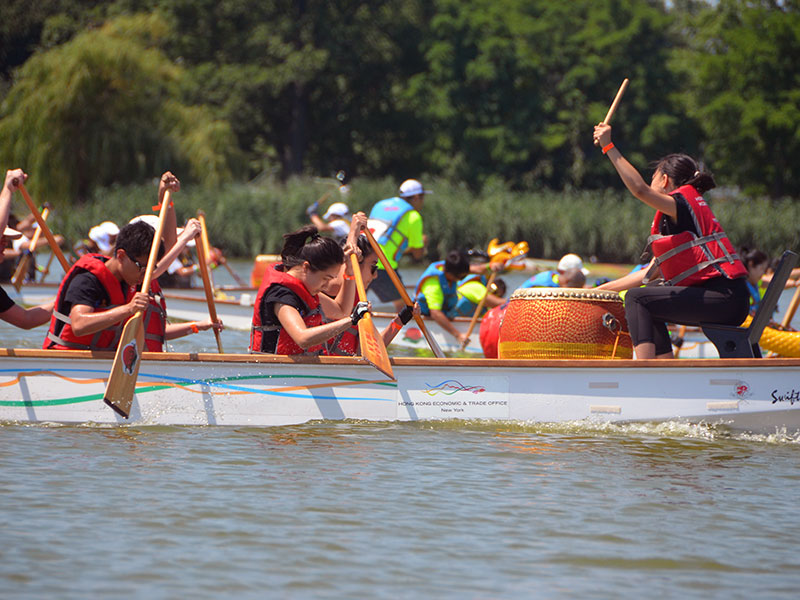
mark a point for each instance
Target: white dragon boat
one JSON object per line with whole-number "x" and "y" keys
{"x": 48, "y": 386}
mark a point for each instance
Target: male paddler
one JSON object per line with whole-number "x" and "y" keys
{"x": 396, "y": 224}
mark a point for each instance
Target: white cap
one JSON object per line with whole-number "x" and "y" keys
{"x": 151, "y": 220}
{"x": 101, "y": 235}
{"x": 569, "y": 262}
{"x": 412, "y": 187}
{"x": 337, "y": 208}
{"x": 12, "y": 234}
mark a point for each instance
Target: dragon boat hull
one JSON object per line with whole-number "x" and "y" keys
{"x": 758, "y": 395}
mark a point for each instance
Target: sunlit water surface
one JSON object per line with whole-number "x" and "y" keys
{"x": 383, "y": 510}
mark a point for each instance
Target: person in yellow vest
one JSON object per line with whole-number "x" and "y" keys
{"x": 396, "y": 224}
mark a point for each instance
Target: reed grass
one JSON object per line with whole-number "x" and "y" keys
{"x": 610, "y": 225}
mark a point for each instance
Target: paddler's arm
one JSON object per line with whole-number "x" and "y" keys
{"x": 169, "y": 235}
{"x": 396, "y": 324}
{"x": 28, "y": 318}
{"x": 631, "y": 177}
{"x": 305, "y": 336}
{"x": 7, "y": 192}
{"x": 192, "y": 230}
{"x": 85, "y": 321}
{"x": 626, "y": 282}
{"x": 178, "y": 330}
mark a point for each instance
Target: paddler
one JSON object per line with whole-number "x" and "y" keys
{"x": 564, "y": 275}
{"x": 11, "y": 312}
{"x": 99, "y": 294}
{"x": 291, "y": 314}
{"x": 470, "y": 291}
{"x": 704, "y": 281}
{"x": 437, "y": 290}
{"x": 396, "y": 224}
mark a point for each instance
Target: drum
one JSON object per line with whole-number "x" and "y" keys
{"x": 564, "y": 323}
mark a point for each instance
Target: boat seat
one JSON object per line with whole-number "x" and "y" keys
{"x": 742, "y": 342}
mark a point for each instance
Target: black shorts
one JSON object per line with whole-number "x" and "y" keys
{"x": 649, "y": 309}
{"x": 384, "y": 288}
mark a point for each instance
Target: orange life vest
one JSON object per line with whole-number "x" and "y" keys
{"x": 312, "y": 316}
{"x": 686, "y": 259}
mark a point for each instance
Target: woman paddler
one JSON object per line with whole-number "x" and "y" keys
{"x": 291, "y": 316}
{"x": 703, "y": 279}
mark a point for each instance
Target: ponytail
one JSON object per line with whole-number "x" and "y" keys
{"x": 683, "y": 170}
{"x": 307, "y": 245}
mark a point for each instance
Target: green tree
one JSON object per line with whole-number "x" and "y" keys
{"x": 308, "y": 85}
{"x": 105, "y": 108}
{"x": 513, "y": 87}
{"x": 742, "y": 64}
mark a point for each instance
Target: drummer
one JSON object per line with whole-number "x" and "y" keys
{"x": 695, "y": 290}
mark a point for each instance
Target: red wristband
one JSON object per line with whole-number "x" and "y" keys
{"x": 609, "y": 147}
{"x": 194, "y": 327}
{"x": 348, "y": 277}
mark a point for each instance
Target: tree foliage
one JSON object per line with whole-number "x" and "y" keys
{"x": 745, "y": 91}
{"x": 104, "y": 108}
{"x": 477, "y": 91}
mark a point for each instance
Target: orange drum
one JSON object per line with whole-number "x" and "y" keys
{"x": 564, "y": 323}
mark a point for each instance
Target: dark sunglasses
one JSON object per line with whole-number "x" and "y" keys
{"x": 374, "y": 268}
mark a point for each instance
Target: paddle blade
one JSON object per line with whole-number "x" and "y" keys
{"x": 372, "y": 347}
{"x": 122, "y": 380}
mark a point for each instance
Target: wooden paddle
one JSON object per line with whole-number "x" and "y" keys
{"x": 25, "y": 261}
{"x": 615, "y": 103}
{"x": 327, "y": 195}
{"x": 437, "y": 351}
{"x": 122, "y": 379}
{"x": 373, "y": 350}
{"x": 201, "y": 216}
{"x": 201, "y": 262}
{"x": 54, "y": 247}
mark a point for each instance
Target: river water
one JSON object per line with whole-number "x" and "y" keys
{"x": 385, "y": 510}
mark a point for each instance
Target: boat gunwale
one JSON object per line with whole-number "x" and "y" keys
{"x": 403, "y": 361}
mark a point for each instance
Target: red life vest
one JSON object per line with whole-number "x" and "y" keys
{"x": 106, "y": 339}
{"x": 686, "y": 259}
{"x": 312, "y": 316}
{"x": 346, "y": 343}
{"x": 155, "y": 317}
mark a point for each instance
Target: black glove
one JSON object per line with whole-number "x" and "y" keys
{"x": 313, "y": 209}
{"x": 359, "y": 311}
{"x": 406, "y": 314}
